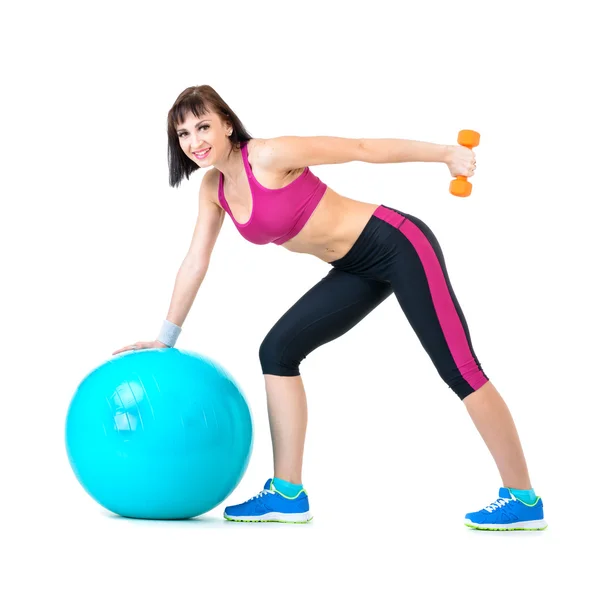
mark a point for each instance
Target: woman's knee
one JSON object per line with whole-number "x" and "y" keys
{"x": 277, "y": 358}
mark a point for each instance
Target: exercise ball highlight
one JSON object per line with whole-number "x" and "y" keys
{"x": 159, "y": 433}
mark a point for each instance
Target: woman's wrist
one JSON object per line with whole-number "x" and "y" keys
{"x": 446, "y": 153}
{"x": 169, "y": 333}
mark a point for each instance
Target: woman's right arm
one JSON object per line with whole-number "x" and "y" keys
{"x": 195, "y": 264}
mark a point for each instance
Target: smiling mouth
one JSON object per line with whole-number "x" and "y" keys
{"x": 201, "y": 154}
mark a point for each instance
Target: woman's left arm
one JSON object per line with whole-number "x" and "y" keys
{"x": 293, "y": 152}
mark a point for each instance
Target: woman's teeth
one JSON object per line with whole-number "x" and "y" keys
{"x": 201, "y": 154}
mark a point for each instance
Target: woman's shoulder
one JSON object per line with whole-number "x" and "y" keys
{"x": 260, "y": 152}
{"x": 261, "y": 155}
{"x": 210, "y": 183}
{"x": 211, "y": 176}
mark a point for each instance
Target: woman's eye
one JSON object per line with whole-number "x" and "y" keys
{"x": 201, "y": 127}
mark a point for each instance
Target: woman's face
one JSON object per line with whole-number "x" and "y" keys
{"x": 204, "y": 139}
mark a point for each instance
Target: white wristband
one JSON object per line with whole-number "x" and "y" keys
{"x": 169, "y": 333}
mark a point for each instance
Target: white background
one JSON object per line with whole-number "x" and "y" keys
{"x": 92, "y": 237}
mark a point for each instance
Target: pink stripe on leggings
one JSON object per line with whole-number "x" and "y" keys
{"x": 450, "y": 322}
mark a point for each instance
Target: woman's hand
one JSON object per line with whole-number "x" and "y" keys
{"x": 140, "y": 346}
{"x": 461, "y": 161}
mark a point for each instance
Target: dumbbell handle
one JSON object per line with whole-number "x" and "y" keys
{"x": 460, "y": 186}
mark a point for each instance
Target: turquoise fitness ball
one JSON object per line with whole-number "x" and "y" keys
{"x": 159, "y": 433}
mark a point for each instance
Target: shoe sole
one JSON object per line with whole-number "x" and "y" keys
{"x": 521, "y": 526}
{"x": 274, "y": 517}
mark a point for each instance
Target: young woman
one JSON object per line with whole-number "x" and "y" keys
{"x": 268, "y": 190}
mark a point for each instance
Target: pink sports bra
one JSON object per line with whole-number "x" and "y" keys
{"x": 277, "y": 215}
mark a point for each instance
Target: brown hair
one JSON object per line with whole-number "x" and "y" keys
{"x": 199, "y": 100}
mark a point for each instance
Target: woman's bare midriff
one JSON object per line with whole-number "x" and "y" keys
{"x": 333, "y": 227}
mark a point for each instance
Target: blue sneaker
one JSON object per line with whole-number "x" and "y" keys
{"x": 508, "y": 513}
{"x": 271, "y": 505}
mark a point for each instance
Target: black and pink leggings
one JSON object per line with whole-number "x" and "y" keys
{"x": 397, "y": 253}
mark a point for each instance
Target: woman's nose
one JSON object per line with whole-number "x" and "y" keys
{"x": 196, "y": 142}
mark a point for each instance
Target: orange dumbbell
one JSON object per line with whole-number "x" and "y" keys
{"x": 460, "y": 186}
